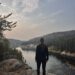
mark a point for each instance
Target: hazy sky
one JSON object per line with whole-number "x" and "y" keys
{"x": 39, "y": 17}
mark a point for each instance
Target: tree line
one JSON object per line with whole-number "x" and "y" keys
{"x": 65, "y": 43}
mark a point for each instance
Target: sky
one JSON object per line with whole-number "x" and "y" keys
{"x": 38, "y": 17}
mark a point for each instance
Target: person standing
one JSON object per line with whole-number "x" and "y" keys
{"x": 41, "y": 56}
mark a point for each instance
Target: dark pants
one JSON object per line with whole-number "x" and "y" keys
{"x": 43, "y": 67}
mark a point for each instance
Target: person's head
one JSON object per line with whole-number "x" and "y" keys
{"x": 42, "y": 40}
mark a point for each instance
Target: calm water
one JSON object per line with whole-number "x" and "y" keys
{"x": 53, "y": 65}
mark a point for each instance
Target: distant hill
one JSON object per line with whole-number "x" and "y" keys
{"x": 51, "y": 37}
{"x": 15, "y": 43}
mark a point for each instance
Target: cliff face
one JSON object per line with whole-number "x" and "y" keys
{"x": 14, "y": 67}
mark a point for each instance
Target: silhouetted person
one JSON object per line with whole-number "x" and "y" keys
{"x": 41, "y": 56}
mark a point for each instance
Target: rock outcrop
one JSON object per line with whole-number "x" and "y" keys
{"x": 14, "y": 67}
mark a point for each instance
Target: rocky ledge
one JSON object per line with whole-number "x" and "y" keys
{"x": 14, "y": 67}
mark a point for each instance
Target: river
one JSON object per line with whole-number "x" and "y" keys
{"x": 54, "y": 65}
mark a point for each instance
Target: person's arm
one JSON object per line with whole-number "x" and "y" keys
{"x": 47, "y": 53}
{"x": 36, "y": 53}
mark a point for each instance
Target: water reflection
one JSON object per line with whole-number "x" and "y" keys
{"x": 54, "y": 65}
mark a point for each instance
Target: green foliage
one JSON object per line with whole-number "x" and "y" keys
{"x": 64, "y": 44}
{"x": 5, "y": 24}
{"x": 5, "y": 51}
{"x": 12, "y": 53}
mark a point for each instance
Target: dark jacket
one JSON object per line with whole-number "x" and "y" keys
{"x": 42, "y": 53}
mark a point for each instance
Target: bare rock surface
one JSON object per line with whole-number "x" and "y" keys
{"x": 14, "y": 67}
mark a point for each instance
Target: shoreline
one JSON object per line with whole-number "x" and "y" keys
{"x": 64, "y": 57}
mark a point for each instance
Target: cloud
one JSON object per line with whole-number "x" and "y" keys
{"x": 14, "y": 8}
{"x": 25, "y": 5}
{"x": 31, "y": 5}
{"x": 56, "y": 13}
{"x": 51, "y": 18}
